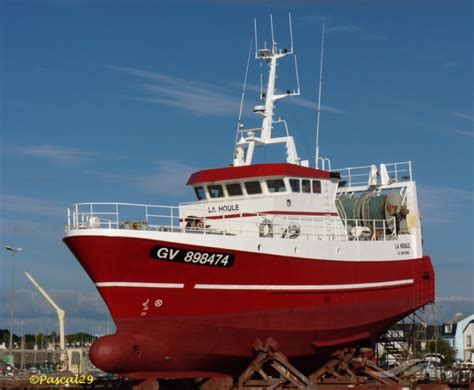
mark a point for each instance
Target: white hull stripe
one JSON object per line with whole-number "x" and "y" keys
{"x": 301, "y": 287}
{"x": 259, "y": 286}
{"x": 132, "y": 284}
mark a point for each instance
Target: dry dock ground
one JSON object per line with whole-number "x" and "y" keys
{"x": 24, "y": 383}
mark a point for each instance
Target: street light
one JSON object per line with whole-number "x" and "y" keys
{"x": 14, "y": 251}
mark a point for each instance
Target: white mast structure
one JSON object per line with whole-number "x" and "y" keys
{"x": 61, "y": 316}
{"x": 244, "y": 148}
{"x": 317, "y": 158}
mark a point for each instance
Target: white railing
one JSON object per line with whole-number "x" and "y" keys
{"x": 167, "y": 219}
{"x": 359, "y": 176}
{"x": 122, "y": 216}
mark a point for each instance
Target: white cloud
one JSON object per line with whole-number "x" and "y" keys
{"x": 466, "y": 133}
{"x": 376, "y": 37}
{"x": 441, "y": 205}
{"x": 296, "y": 100}
{"x": 314, "y": 18}
{"x": 455, "y": 298}
{"x": 453, "y": 64}
{"x": 29, "y": 205}
{"x": 346, "y": 28}
{"x": 306, "y": 103}
{"x": 168, "y": 178}
{"x": 436, "y": 57}
{"x": 57, "y": 154}
{"x": 82, "y": 309}
{"x": 469, "y": 117}
{"x": 197, "y": 97}
{"x": 30, "y": 303}
{"x": 26, "y": 232}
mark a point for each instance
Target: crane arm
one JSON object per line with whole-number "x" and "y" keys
{"x": 45, "y": 294}
{"x": 61, "y": 313}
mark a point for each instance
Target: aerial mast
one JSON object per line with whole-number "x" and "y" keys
{"x": 239, "y": 121}
{"x": 317, "y": 158}
{"x": 262, "y": 136}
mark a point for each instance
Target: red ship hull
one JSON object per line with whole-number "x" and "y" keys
{"x": 169, "y": 324}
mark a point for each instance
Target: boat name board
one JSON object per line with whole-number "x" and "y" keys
{"x": 403, "y": 248}
{"x": 224, "y": 208}
{"x": 186, "y": 256}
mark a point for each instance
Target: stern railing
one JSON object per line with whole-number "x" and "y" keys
{"x": 359, "y": 176}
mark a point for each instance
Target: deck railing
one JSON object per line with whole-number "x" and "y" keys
{"x": 131, "y": 216}
{"x": 121, "y": 216}
{"x": 359, "y": 176}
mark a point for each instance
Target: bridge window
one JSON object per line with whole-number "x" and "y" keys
{"x": 200, "y": 193}
{"x": 306, "y": 186}
{"x": 234, "y": 189}
{"x": 216, "y": 191}
{"x": 253, "y": 187}
{"x": 276, "y": 185}
{"x": 295, "y": 185}
{"x": 316, "y": 186}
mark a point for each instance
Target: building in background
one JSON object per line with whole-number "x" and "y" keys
{"x": 459, "y": 332}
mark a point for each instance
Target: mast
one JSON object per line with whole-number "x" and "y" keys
{"x": 249, "y": 140}
{"x": 317, "y": 158}
{"x": 239, "y": 121}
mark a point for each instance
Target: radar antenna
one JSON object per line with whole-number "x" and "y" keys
{"x": 249, "y": 139}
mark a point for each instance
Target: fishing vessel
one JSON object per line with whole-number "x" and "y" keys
{"x": 313, "y": 257}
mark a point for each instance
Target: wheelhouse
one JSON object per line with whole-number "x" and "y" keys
{"x": 245, "y": 188}
{"x": 262, "y": 180}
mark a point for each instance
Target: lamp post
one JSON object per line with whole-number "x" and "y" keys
{"x": 14, "y": 251}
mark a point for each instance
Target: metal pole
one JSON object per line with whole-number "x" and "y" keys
{"x": 22, "y": 358}
{"x": 319, "y": 99}
{"x": 239, "y": 121}
{"x": 12, "y": 309}
{"x": 273, "y": 35}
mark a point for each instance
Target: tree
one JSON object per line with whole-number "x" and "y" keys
{"x": 442, "y": 346}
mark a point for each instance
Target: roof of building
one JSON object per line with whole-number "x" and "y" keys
{"x": 458, "y": 317}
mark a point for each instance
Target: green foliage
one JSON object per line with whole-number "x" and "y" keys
{"x": 442, "y": 346}
{"x": 42, "y": 339}
{"x": 5, "y": 336}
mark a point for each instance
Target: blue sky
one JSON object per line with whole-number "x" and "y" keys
{"x": 121, "y": 101}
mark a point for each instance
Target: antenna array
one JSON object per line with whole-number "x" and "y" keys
{"x": 249, "y": 140}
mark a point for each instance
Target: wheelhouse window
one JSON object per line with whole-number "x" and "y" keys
{"x": 306, "y": 186}
{"x": 316, "y": 186}
{"x": 200, "y": 193}
{"x": 276, "y": 185}
{"x": 295, "y": 185}
{"x": 253, "y": 187}
{"x": 216, "y": 191}
{"x": 234, "y": 189}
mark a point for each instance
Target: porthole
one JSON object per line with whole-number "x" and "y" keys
{"x": 288, "y": 203}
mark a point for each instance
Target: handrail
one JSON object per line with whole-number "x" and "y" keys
{"x": 132, "y": 216}
{"x": 358, "y": 176}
